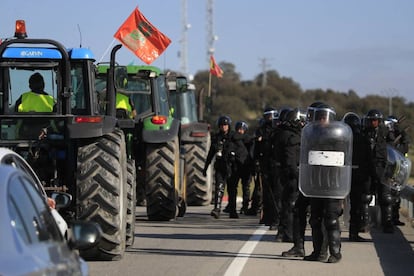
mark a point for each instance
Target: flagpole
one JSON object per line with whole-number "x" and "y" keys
{"x": 107, "y": 50}
{"x": 209, "y": 85}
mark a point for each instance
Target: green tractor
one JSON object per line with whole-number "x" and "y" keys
{"x": 156, "y": 139}
{"x": 78, "y": 147}
{"x": 195, "y": 139}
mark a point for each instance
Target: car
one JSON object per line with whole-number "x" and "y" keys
{"x": 9, "y": 157}
{"x": 31, "y": 242}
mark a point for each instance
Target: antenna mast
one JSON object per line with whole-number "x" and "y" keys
{"x": 185, "y": 27}
{"x": 211, "y": 37}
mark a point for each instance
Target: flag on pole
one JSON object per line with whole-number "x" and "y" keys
{"x": 215, "y": 69}
{"x": 141, "y": 37}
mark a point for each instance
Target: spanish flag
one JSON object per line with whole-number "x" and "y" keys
{"x": 141, "y": 37}
{"x": 215, "y": 69}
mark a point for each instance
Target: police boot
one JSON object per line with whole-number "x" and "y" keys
{"x": 319, "y": 250}
{"x": 298, "y": 250}
{"x": 215, "y": 213}
{"x": 353, "y": 234}
{"x": 334, "y": 241}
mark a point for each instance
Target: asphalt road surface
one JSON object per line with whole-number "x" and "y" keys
{"x": 198, "y": 244}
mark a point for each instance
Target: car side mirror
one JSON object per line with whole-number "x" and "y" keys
{"x": 62, "y": 199}
{"x": 84, "y": 234}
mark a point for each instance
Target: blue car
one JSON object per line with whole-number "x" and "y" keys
{"x": 31, "y": 242}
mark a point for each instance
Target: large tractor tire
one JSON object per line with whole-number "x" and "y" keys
{"x": 102, "y": 193}
{"x": 131, "y": 195}
{"x": 199, "y": 187}
{"x": 162, "y": 176}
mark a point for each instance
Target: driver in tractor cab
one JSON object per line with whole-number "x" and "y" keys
{"x": 35, "y": 100}
{"x": 124, "y": 105}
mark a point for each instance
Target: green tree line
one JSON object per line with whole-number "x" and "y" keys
{"x": 246, "y": 100}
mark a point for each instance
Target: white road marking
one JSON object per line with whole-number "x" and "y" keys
{"x": 236, "y": 267}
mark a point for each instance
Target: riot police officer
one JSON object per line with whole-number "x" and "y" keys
{"x": 360, "y": 195}
{"x": 245, "y": 169}
{"x": 224, "y": 149}
{"x": 399, "y": 139}
{"x": 301, "y": 211}
{"x": 271, "y": 189}
{"x": 326, "y": 159}
{"x": 287, "y": 152}
{"x": 375, "y": 132}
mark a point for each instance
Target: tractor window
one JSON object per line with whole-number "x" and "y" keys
{"x": 78, "y": 100}
{"x": 163, "y": 97}
{"x": 184, "y": 106}
{"x": 139, "y": 91}
{"x": 19, "y": 83}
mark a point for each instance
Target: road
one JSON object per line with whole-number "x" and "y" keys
{"x": 197, "y": 244}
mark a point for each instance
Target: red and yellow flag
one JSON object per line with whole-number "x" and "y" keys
{"x": 141, "y": 37}
{"x": 215, "y": 69}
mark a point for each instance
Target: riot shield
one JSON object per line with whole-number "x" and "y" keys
{"x": 326, "y": 160}
{"x": 398, "y": 169}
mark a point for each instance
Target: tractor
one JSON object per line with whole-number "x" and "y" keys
{"x": 78, "y": 147}
{"x": 195, "y": 139}
{"x": 155, "y": 136}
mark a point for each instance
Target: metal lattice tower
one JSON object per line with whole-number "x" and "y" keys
{"x": 184, "y": 41}
{"x": 210, "y": 31}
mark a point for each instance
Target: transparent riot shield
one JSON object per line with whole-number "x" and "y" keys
{"x": 398, "y": 169}
{"x": 326, "y": 160}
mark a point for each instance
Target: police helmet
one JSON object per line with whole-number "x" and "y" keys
{"x": 393, "y": 119}
{"x": 241, "y": 125}
{"x": 293, "y": 117}
{"x": 311, "y": 110}
{"x": 352, "y": 119}
{"x": 283, "y": 113}
{"x": 223, "y": 120}
{"x": 391, "y": 122}
{"x": 324, "y": 112}
{"x": 270, "y": 113}
{"x": 374, "y": 114}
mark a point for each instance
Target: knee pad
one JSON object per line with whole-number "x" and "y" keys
{"x": 315, "y": 222}
{"x": 331, "y": 224}
{"x": 386, "y": 199}
{"x": 366, "y": 198}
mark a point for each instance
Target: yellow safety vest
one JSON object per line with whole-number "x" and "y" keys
{"x": 122, "y": 102}
{"x": 33, "y": 102}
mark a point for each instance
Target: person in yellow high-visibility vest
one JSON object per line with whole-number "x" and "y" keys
{"x": 125, "y": 103}
{"x": 35, "y": 100}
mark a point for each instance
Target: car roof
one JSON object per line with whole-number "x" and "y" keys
{"x": 6, "y": 153}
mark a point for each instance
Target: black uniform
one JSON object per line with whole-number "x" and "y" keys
{"x": 287, "y": 153}
{"x": 360, "y": 195}
{"x": 399, "y": 139}
{"x": 269, "y": 170}
{"x": 237, "y": 162}
{"x": 227, "y": 148}
{"x": 376, "y": 137}
{"x": 325, "y": 211}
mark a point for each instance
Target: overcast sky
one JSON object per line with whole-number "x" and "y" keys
{"x": 364, "y": 45}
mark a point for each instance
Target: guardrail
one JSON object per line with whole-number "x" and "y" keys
{"x": 407, "y": 205}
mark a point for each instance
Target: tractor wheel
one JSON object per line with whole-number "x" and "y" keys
{"x": 131, "y": 191}
{"x": 199, "y": 187}
{"x": 162, "y": 176}
{"x": 102, "y": 193}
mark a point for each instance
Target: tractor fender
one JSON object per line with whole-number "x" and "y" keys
{"x": 162, "y": 135}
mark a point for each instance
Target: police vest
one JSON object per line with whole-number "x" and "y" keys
{"x": 122, "y": 102}
{"x": 33, "y": 102}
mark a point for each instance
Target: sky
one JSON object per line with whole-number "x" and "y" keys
{"x": 363, "y": 45}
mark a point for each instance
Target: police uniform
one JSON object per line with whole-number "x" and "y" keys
{"x": 271, "y": 188}
{"x": 376, "y": 137}
{"x": 360, "y": 195}
{"x": 223, "y": 150}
